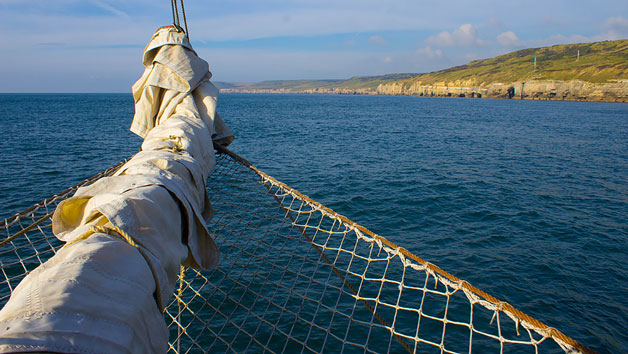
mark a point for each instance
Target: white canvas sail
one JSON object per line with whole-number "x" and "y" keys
{"x": 127, "y": 235}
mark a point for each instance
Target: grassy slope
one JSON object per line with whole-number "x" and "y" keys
{"x": 368, "y": 82}
{"x": 358, "y": 82}
{"x": 599, "y": 62}
{"x": 290, "y": 84}
{"x": 222, "y": 84}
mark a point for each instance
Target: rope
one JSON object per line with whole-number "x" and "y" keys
{"x": 26, "y": 229}
{"x": 343, "y": 279}
{"x": 185, "y": 21}
{"x": 180, "y": 305}
{"x": 181, "y": 282}
{"x": 295, "y": 276}
{"x": 59, "y": 196}
{"x": 175, "y": 12}
{"x": 175, "y": 17}
{"x": 119, "y": 233}
{"x": 521, "y": 317}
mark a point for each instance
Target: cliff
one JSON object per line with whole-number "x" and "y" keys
{"x": 587, "y": 72}
{"x": 590, "y": 71}
{"x": 574, "y": 90}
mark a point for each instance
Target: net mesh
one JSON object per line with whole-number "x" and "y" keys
{"x": 294, "y": 276}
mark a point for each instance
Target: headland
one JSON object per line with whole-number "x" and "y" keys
{"x": 595, "y": 71}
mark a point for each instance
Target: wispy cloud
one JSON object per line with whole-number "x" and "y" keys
{"x": 573, "y": 39}
{"x": 509, "y": 39}
{"x": 105, "y": 6}
{"x": 302, "y": 22}
{"x": 616, "y": 26}
{"x": 379, "y": 40}
{"x": 465, "y": 35}
{"x": 247, "y": 40}
{"x": 430, "y": 53}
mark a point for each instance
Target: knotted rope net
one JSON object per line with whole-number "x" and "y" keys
{"x": 295, "y": 276}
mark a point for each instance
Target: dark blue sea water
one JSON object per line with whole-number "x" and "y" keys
{"x": 526, "y": 200}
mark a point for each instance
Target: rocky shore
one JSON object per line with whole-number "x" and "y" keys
{"x": 596, "y": 71}
{"x": 573, "y": 90}
{"x": 323, "y": 91}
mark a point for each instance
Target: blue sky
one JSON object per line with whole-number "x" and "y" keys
{"x": 96, "y": 45}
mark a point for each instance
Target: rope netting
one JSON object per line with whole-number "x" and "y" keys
{"x": 28, "y": 240}
{"x": 295, "y": 276}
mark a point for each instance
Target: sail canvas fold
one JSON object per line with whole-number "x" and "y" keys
{"x": 127, "y": 235}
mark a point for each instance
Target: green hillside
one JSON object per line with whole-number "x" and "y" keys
{"x": 354, "y": 83}
{"x": 599, "y": 62}
{"x": 368, "y": 82}
{"x": 223, "y": 85}
{"x": 290, "y": 84}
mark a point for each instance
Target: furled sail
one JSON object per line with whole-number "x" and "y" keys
{"x": 128, "y": 234}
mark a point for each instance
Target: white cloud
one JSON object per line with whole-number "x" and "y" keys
{"x": 509, "y": 39}
{"x": 430, "y": 53}
{"x": 303, "y": 22}
{"x": 465, "y": 35}
{"x": 61, "y": 41}
{"x": 562, "y": 39}
{"x": 56, "y": 29}
{"x": 573, "y": 39}
{"x": 616, "y": 26}
{"x": 205, "y": 23}
{"x": 103, "y": 5}
{"x": 617, "y": 22}
{"x": 378, "y": 40}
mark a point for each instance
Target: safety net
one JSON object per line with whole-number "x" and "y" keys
{"x": 295, "y": 276}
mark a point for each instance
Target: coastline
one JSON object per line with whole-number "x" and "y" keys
{"x": 545, "y": 90}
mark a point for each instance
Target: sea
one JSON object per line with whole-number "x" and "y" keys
{"x": 526, "y": 200}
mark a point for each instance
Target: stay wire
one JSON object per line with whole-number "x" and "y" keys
{"x": 174, "y": 16}
{"x": 176, "y": 19}
{"x": 175, "y": 11}
{"x": 185, "y": 21}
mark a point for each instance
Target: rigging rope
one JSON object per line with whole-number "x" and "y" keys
{"x": 175, "y": 17}
{"x": 185, "y": 21}
{"x": 297, "y": 277}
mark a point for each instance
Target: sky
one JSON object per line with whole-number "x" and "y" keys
{"x": 97, "y": 45}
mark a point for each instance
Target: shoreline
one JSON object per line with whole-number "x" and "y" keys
{"x": 359, "y": 92}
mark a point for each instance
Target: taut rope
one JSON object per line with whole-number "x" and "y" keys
{"x": 175, "y": 17}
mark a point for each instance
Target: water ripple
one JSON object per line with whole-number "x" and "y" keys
{"x": 526, "y": 200}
